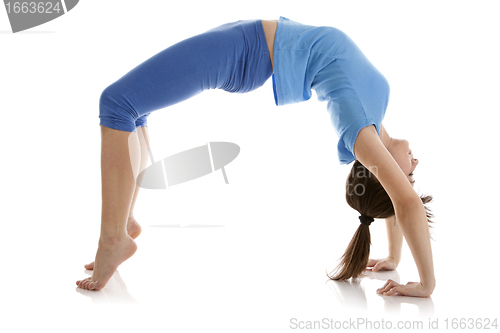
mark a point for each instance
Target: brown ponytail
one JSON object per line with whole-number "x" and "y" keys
{"x": 365, "y": 194}
{"x": 355, "y": 258}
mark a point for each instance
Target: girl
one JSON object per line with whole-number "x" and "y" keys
{"x": 240, "y": 57}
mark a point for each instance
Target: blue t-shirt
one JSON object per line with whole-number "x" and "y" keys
{"x": 327, "y": 60}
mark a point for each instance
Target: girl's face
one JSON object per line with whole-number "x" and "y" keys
{"x": 401, "y": 152}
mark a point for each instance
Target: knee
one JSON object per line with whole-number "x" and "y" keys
{"x": 116, "y": 111}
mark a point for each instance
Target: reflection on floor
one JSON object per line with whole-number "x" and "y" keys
{"x": 264, "y": 274}
{"x": 352, "y": 294}
{"x": 355, "y": 296}
{"x": 115, "y": 292}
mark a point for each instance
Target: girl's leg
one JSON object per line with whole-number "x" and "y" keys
{"x": 233, "y": 57}
{"x": 119, "y": 163}
{"x": 133, "y": 227}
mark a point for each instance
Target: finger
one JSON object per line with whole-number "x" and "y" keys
{"x": 390, "y": 284}
{"x": 389, "y": 287}
{"x": 394, "y": 291}
{"x": 379, "y": 266}
{"x": 372, "y": 262}
{"x": 386, "y": 284}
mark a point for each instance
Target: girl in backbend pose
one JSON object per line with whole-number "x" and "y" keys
{"x": 240, "y": 57}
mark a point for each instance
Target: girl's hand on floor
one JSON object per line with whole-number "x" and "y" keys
{"x": 392, "y": 288}
{"x": 386, "y": 264}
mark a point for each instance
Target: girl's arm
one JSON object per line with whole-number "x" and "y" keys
{"x": 410, "y": 212}
{"x": 384, "y": 136}
{"x": 395, "y": 238}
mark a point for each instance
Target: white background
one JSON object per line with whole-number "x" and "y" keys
{"x": 282, "y": 222}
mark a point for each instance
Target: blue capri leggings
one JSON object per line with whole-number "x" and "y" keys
{"x": 233, "y": 57}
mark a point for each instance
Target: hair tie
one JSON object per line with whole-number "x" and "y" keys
{"x": 366, "y": 220}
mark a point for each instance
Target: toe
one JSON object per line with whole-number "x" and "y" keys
{"x": 88, "y": 284}
{"x": 82, "y": 284}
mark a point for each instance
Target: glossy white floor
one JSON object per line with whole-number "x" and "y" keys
{"x": 250, "y": 256}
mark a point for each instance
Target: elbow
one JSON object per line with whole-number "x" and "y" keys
{"x": 408, "y": 209}
{"x": 408, "y": 202}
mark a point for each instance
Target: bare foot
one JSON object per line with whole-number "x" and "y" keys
{"x": 133, "y": 229}
{"x": 109, "y": 256}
